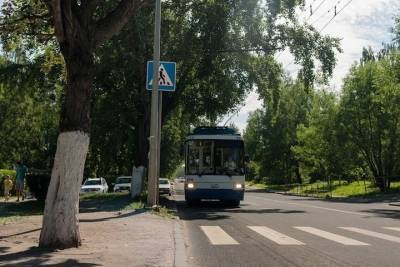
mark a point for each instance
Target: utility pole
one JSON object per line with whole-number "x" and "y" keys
{"x": 152, "y": 195}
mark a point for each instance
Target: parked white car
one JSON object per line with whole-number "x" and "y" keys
{"x": 94, "y": 185}
{"x": 123, "y": 183}
{"x": 164, "y": 186}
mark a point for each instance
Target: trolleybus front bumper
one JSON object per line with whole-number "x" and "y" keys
{"x": 220, "y": 194}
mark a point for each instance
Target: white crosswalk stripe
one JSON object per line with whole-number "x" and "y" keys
{"x": 333, "y": 237}
{"x": 393, "y": 228}
{"x": 373, "y": 234}
{"x": 217, "y": 236}
{"x": 275, "y": 236}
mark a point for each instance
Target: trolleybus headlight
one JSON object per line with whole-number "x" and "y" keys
{"x": 190, "y": 185}
{"x": 238, "y": 186}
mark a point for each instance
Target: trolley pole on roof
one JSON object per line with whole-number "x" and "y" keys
{"x": 154, "y": 165}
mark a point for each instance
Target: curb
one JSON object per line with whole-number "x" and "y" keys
{"x": 180, "y": 259}
{"x": 180, "y": 250}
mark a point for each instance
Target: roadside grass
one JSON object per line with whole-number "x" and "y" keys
{"x": 340, "y": 189}
{"x": 111, "y": 202}
{"x": 13, "y": 211}
{"x": 276, "y": 187}
{"x": 164, "y": 212}
{"x": 121, "y": 202}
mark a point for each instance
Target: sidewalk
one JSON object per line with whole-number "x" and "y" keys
{"x": 108, "y": 239}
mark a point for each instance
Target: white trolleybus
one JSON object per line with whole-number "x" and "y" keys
{"x": 214, "y": 165}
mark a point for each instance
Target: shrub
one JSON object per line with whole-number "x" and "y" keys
{"x": 38, "y": 183}
{"x": 253, "y": 172}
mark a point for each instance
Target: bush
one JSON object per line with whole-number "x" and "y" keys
{"x": 253, "y": 172}
{"x": 38, "y": 183}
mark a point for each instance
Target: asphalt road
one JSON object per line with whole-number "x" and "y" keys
{"x": 276, "y": 230}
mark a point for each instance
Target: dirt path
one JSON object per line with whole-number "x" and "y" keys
{"x": 109, "y": 239}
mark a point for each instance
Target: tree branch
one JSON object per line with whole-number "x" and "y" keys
{"x": 116, "y": 19}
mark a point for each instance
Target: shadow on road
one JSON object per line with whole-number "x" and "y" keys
{"x": 22, "y": 233}
{"x": 372, "y": 197}
{"x": 35, "y": 256}
{"x": 384, "y": 213}
{"x": 118, "y": 215}
{"x": 215, "y": 210}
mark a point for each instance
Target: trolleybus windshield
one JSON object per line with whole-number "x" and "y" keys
{"x": 215, "y": 157}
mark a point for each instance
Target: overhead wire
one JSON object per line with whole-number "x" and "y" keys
{"x": 327, "y": 12}
{"x": 336, "y": 14}
{"x": 330, "y": 21}
{"x": 315, "y": 10}
{"x": 312, "y": 12}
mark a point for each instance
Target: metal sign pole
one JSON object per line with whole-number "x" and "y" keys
{"x": 152, "y": 196}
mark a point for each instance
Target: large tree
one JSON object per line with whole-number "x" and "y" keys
{"x": 370, "y": 113}
{"x": 79, "y": 27}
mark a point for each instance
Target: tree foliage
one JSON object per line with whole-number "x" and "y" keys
{"x": 370, "y": 112}
{"x": 223, "y": 49}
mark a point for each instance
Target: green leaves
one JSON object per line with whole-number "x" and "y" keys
{"x": 370, "y": 113}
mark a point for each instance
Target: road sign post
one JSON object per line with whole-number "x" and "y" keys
{"x": 152, "y": 194}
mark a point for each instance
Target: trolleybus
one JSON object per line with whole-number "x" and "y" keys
{"x": 214, "y": 165}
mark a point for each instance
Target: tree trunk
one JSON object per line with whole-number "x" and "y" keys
{"x": 60, "y": 221}
{"x": 142, "y": 129}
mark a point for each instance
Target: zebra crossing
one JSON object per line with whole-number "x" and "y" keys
{"x": 218, "y": 236}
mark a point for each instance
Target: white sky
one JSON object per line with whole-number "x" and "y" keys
{"x": 361, "y": 24}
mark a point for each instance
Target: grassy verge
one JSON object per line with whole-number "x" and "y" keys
{"x": 110, "y": 202}
{"x": 270, "y": 186}
{"x": 361, "y": 189}
{"x": 164, "y": 212}
{"x": 12, "y": 211}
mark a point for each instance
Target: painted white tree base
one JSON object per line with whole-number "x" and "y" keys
{"x": 60, "y": 221}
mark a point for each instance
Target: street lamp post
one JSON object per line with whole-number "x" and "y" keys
{"x": 154, "y": 165}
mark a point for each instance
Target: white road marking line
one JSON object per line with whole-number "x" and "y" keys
{"x": 393, "y": 228}
{"x": 275, "y": 236}
{"x": 373, "y": 234}
{"x": 333, "y": 237}
{"x": 311, "y": 206}
{"x": 217, "y": 236}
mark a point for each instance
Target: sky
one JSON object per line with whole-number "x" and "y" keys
{"x": 363, "y": 23}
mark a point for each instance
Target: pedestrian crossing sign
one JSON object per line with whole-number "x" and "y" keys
{"x": 166, "y": 76}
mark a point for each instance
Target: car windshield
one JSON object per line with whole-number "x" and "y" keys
{"x": 222, "y": 157}
{"x": 93, "y": 182}
{"x": 163, "y": 181}
{"x": 124, "y": 180}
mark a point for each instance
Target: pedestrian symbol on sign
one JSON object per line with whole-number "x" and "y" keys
{"x": 163, "y": 78}
{"x": 166, "y": 76}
